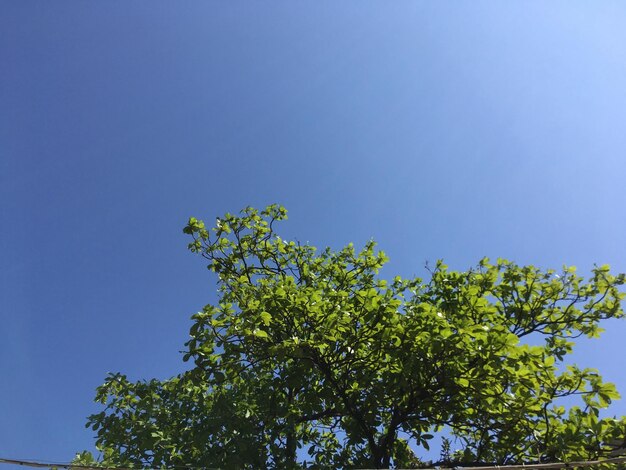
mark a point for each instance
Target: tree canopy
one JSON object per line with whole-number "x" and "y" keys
{"x": 310, "y": 359}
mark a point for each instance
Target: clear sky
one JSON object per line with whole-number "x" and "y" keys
{"x": 451, "y": 130}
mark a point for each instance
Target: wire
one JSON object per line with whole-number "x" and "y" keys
{"x": 40, "y": 464}
{"x": 537, "y": 466}
{"x": 43, "y": 464}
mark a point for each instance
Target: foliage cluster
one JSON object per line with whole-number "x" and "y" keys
{"x": 310, "y": 359}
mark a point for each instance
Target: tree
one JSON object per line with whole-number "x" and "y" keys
{"x": 310, "y": 359}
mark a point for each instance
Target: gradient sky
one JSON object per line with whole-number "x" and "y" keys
{"x": 451, "y": 130}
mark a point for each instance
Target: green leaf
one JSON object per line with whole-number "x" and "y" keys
{"x": 266, "y": 318}
{"x": 260, "y": 333}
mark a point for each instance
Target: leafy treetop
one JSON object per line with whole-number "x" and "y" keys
{"x": 310, "y": 359}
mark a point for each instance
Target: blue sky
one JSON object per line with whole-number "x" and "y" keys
{"x": 451, "y": 130}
